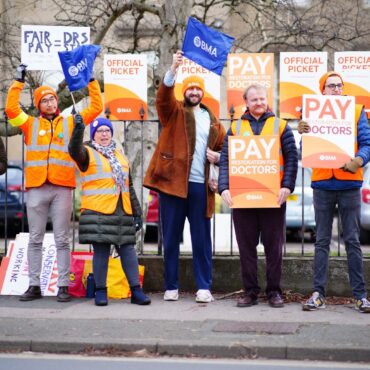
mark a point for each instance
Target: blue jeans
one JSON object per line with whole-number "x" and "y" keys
{"x": 129, "y": 263}
{"x": 349, "y": 203}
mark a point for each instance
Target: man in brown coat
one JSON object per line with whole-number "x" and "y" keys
{"x": 190, "y": 140}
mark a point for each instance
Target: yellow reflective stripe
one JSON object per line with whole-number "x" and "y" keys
{"x": 19, "y": 120}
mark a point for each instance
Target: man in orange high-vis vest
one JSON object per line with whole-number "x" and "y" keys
{"x": 265, "y": 224}
{"x": 50, "y": 175}
{"x": 339, "y": 187}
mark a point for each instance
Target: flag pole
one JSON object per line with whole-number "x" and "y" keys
{"x": 74, "y": 103}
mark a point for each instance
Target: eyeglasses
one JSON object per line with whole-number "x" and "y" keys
{"x": 46, "y": 101}
{"x": 334, "y": 86}
{"x": 103, "y": 131}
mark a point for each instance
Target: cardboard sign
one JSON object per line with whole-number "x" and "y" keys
{"x": 14, "y": 278}
{"x": 330, "y": 143}
{"x": 244, "y": 70}
{"x": 125, "y": 86}
{"x": 40, "y": 45}
{"x": 211, "y": 96}
{"x": 354, "y": 67}
{"x": 299, "y": 75}
{"x": 254, "y": 171}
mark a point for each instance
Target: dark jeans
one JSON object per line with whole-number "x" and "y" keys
{"x": 174, "y": 211}
{"x": 129, "y": 263}
{"x": 251, "y": 224}
{"x": 349, "y": 204}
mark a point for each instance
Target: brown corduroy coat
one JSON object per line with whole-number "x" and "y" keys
{"x": 169, "y": 168}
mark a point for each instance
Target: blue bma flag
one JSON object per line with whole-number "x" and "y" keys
{"x": 78, "y": 65}
{"x": 206, "y": 46}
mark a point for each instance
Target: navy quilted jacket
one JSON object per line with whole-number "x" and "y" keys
{"x": 288, "y": 146}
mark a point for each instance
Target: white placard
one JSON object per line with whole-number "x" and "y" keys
{"x": 16, "y": 278}
{"x": 40, "y": 45}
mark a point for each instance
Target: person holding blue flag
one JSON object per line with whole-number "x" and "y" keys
{"x": 49, "y": 174}
{"x": 191, "y": 139}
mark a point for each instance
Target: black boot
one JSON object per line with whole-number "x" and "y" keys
{"x": 33, "y": 292}
{"x": 63, "y": 295}
{"x": 138, "y": 296}
{"x": 101, "y": 298}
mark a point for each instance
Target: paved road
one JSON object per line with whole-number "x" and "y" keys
{"x": 62, "y": 362}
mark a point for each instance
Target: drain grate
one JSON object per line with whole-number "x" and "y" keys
{"x": 257, "y": 327}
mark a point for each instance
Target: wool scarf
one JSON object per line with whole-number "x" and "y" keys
{"x": 119, "y": 175}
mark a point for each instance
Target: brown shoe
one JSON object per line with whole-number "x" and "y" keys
{"x": 246, "y": 300}
{"x": 276, "y": 301}
{"x": 33, "y": 292}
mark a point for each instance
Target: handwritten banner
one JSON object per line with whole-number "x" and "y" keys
{"x": 40, "y": 44}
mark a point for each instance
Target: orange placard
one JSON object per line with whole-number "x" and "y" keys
{"x": 125, "y": 86}
{"x": 330, "y": 142}
{"x": 246, "y": 69}
{"x": 254, "y": 171}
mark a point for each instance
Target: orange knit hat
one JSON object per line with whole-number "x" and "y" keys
{"x": 192, "y": 81}
{"x": 325, "y": 77}
{"x": 40, "y": 92}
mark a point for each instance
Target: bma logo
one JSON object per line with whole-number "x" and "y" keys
{"x": 79, "y": 67}
{"x": 199, "y": 43}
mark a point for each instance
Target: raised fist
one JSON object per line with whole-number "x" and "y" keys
{"x": 78, "y": 121}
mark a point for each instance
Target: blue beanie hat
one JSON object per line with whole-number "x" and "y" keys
{"x": 94, "y": 125}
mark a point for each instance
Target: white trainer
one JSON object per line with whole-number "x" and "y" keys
{"x": 171, "y": 295}
{"x": 204, "y": 296}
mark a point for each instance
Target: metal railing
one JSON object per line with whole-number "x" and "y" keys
{"x": 303, "y": 248}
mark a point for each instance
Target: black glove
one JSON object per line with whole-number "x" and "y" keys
{"x": 78, "y": 121}
{"x": 138, "y": 223}
{"x": 20, "y": 74}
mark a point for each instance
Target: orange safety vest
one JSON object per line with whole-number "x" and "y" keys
{"x": 319, "y": 174}
{"x": 47, "y": 156}
{"x": 273, "y": 126}
{"x": 99, "y": 190}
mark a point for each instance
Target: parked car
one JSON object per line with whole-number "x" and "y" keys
{"x": 302, "y": 197}
{"x": 365, "y": 208}
{"x": 15, "y": 196}
{"x": 152, "y": 218}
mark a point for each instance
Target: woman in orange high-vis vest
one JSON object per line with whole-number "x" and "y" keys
{"x": 110, "y": 210}
{"x": 339, "y": 187}
{"x": 50, "y": 175}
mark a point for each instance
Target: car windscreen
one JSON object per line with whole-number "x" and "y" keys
{"x": 14, "y": 176}
{"x": 307, "y": 177}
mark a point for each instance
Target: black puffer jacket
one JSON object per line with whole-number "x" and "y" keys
{"x": 95, "y": 227}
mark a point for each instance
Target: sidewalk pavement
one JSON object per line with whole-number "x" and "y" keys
{"x": 185, "y": 328}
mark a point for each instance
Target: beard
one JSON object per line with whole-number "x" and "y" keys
{"x": 192, "y": 103}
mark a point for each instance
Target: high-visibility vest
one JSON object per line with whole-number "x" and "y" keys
{"x": 273, "y": 126}
{"x": 99, "y": 190}
{"x": 47, "y": 157}
{"x": 319, "y": 174}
